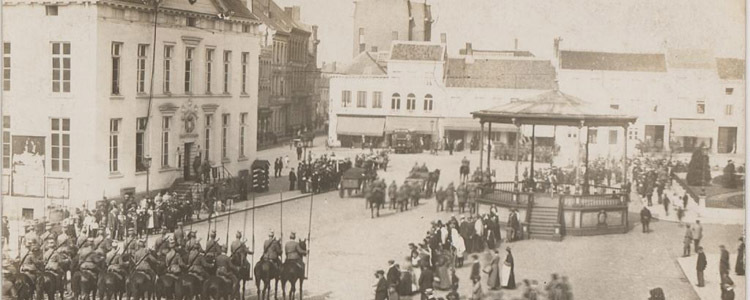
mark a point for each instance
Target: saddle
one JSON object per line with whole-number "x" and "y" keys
{"x": 198, "y": 275}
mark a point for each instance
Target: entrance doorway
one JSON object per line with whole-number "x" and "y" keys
{"x": 187, "y": 155}
{"x": 727, "y": 140}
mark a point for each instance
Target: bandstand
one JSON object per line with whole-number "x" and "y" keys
{"x": 579, "y": 208}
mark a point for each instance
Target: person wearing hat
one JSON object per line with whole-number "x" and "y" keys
{"x": 193, "y": 241}
{"x": 161, "y": 243}
{"x": 47, "y": 233}
{"x": 52, "y": 257}
{"x": 225, "y": 269}
{"x": 381, "y": 286}
{"x": 238, "y": 251}
{"x": 131, "y": 243}
{"x": 294, "y": 251}
{"x": 212, "y": 243}
{"x": 32, "y": 262}
{"x": 272, "y": 250}
{"x": 426, "y": 280}
{"x": 88, "y": 258}
{"x": 31, "y": 238}
{"x": 394, "y": 274}
{"x": 143, "y": 259}
{"x": 173, "y": 260}
{"x": 196, "y": 261}
{"x": 113, "y": 260}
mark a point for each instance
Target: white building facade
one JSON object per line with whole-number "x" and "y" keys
{"x": 77, "y": 106}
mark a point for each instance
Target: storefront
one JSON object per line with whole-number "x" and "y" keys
{"x": 425, "y": 130}
{"x": 353, "y": 131}
{"x": 691, "y": 134}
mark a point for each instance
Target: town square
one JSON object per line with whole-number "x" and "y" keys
{"x": 252, "y": 149}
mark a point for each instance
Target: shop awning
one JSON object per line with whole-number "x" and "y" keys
{"x": 359, "y": 126}
{"x": 418, "y": 125}
{"x": 469, "y": 124}
{"x": 692, "y": 128}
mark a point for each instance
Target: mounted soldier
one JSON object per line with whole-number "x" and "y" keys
{"x": 88, "y": 258}
{"x": 239, "y": 251}
{"x": 294, "y": 251}
{"x": 52, "y": 258}
{"x": 32, "y": 262}
{"x": 144, "y": 260}
{"x": 48, "y": 233}
{"x": 226, "y": 270}
{"x": 196, "y": 262}
{"x": 131, "y": 243}
{"x": 173, "y": 260}
{"x": 192, "y": 241}
{"x": 161, "y": 244}
{"x": 212, "y": 244}
{"x": 31, "y": 238}
{"x": 115, "y": 262}
{"x": 272, "y": 250}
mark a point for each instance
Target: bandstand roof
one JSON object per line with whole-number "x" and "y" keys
{"x": 554, "y": 108}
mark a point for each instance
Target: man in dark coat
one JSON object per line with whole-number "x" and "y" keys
{"x": 197, "y": 168}
{"x": 292, "y": 179}
{"x": 724, "y": 262}
{"x": 475, "y": 268}
{"x": 381, "y": 287}
{"x": 701, "y": 266}
{"x": 425, "y": 281}
{"x": 645, "y": 219}
{"x": 394, "y": 274}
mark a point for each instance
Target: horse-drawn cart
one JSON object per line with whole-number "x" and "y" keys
{"x": 352, "y": 180}
{"x": 420, "y": 180}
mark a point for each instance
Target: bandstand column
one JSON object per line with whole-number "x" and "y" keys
{"x": 624, "y": 155}
{"x": 518, "y": 139}
{"x": 481, "y": 144}
{"x": 578, "y": 159}
{"x": 489, "y": 144}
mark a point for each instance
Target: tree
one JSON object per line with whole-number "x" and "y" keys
{"x": 699, "y": 171}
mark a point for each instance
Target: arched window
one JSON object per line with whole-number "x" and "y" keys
{"x": 396, "y": 101}
{"x": 411, "y": 102}
{"x": 428, "y": 102}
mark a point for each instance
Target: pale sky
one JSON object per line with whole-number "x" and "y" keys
{"x": 602, "y": 25}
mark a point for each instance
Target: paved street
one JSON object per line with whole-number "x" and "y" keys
{"x": 346, "y": 243}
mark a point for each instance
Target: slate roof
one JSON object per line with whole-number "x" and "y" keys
{"x": 278, "y": 20}
{"x": 364, "y": 64}
{"x": 501, "y": 73}
{"x": 211, "y": 7}
{"x": 606, "y": 61}
{"x": 730, "y": 68}
{"x": 417, "y": 51}
{"x": 554, "y": 107}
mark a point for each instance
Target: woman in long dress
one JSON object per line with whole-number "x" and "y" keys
{"x": 509, "y": 279}
{"x": 493, "y": 280}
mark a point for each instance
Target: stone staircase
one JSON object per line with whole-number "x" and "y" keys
{"x": 182, "y": 188}
{"x": 544, "y": 221}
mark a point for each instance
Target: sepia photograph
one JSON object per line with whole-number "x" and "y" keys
{"x": 373, "y": 149}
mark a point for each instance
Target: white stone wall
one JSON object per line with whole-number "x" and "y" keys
{"x": 91, "y": 29}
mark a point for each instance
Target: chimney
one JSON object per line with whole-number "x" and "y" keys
{"x": 315, "y": 32}
{"x": 469, "y": 54}
{"x": 443, "y": 38}
{"x": 293, "y": 12}
{"x": 515, "y": 44}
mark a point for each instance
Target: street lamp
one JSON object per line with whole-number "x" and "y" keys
{"x": 147, "y": 163}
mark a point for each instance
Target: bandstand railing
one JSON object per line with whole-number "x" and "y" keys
{"x": 596, "y": 200}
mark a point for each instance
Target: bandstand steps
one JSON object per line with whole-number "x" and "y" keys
{"x": 543, "y": 222}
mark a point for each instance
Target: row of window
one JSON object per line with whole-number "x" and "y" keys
{"x": 189, "y": 69}
{"x": 166, "y": 138}
{"x": 61, "y": 68}
{"x": 411, "y": 101}
{"x": 59, "y": 144}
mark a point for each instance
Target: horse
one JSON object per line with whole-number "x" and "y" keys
{"x": 216, "y": 288}
{"x": 434, "y": 177}
{"x": 111, "y": 284}
{"x": 139, "y": 285}
{"x": 21, "y": 286}
{"x": 264, "y": 271}
{"x": 463, "y": 172}
{"x": 166, "y": 285}
{"x": 188, "y": 287}
{"x": 376, "y": 199}
{"x": 83, "y": 284}
{"x": 244, "y": 270}
{"x": 49, "y": 283}
{"x": 291, "y": 272}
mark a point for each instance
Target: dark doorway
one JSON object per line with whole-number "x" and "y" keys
{"x": 186, "y": 161}
{"x": 727, "y": 140}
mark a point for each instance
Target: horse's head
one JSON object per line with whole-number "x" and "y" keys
{"x": 303, "y": 244}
